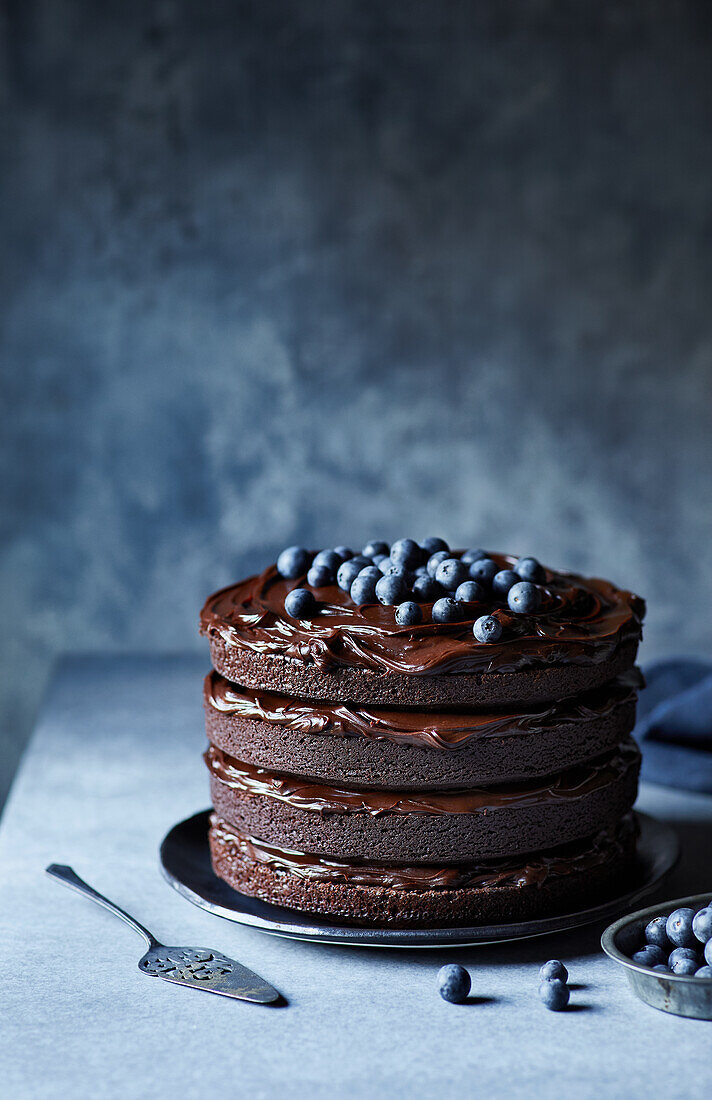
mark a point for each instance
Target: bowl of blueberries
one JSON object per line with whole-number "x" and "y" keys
{"x": 666, "y": 951}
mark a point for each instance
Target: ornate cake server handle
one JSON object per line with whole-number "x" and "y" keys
{"x": 199, "y": 967}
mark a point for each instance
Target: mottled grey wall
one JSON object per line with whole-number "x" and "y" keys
{"x": 279, "y": 272}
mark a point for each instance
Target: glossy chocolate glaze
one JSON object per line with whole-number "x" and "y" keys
{"x": 572, "y": 783}
{"x": 533, "y": 870}
{"x": 444, "y": 730}
{"x": 581, "y": 621}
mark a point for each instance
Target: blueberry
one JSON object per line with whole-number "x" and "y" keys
{"x": 434, "y": 561}
{"x": 347, "y": 574}
{"x": 524, "y": 597}
{"x": 661, "y": 968}
{"x": 650, "y": 955}
{"x": 426, "y": 589}
{"x": 473, "y": 555}
{"x": 655, "y": 933}
{"x": 530, "y": 570}
{"x": 363, "y": 590}
{"x": 704, "y": 972}
{"x": 319, "y": 576}
{"x": 451, "y": 573}
{"x": 378, "y": 558}
{"x": 503, "y": 581}
{"x": 702, "y": 924}
{"x": 554, "y": 968}
{"x": 406, "y": 552}
{"x": 453, "y": 983}
{"x": 391, "y": 589}
{"x": 554, "y": 994}
{"x": 293, "y": 562}
{"x": 392, "y": 570}
{"x": 686, "y": 967}
{"x": 421, "y": 571}
{"x": 385, "y": 564}
{"x": 470, "y": 592}
{"x": 371, "y": 549}
{"x": 328, "y": 558}
{"x": 679, "y": 928}
{"x": 487, "y": 629}
{"x": 370, "y": 571}
{"x": 408, "y": 614}
{"x": 446, "y": 610}
{"x": 708, "y": 952}
{"x": 361, "y": 560}
{"x": 344, "y": 552}
{"x": 680, "y": 955}
{"x": 484, "y": 570}
{"x": 432, "y": 546}
{"x": 300, "y": 603}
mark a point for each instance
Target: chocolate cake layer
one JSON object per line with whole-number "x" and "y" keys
{"x": 424, "y": 826}
{"x": 585, "y": 632}
{"x": 415, "y": 749}
{"x": 364, "y": 687}
{"x": 560, "y": 879}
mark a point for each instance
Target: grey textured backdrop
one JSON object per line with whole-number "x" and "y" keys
{"x": 279, "y": 272}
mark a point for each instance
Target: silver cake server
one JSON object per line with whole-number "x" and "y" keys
{"x": 198, "y": 967}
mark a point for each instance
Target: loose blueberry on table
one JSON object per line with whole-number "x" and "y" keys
{"x": 453, "y": 983}
{"x": 554, "y": 968}
{"x": 554, "y": 994}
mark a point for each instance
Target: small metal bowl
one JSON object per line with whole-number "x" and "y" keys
{"x": 680, "y": 994}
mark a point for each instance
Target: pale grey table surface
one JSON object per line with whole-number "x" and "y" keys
{"x": 114, "y": 762}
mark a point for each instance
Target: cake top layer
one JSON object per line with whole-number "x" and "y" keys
{"x": 332, "y": 610}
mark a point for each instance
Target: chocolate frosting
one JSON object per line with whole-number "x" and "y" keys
{"x": 444, "y": 730}
{"x": 572, "y": 783}
{"x": 581, "y": 621}
{"x": 532, "y": 870}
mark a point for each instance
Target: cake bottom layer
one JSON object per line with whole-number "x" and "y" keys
{"x": 397, "y": 896}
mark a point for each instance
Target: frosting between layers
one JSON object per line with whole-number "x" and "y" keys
{"x": 445, "y": 730}
{"x": 581, "y": 621}
{"x": 570, "y": 784}
{"x": 534, "y": 870}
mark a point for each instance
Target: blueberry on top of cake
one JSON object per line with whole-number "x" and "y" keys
{"x": 339, "y": 617}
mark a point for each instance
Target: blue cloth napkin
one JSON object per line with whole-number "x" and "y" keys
{"x": 674, "y": 726}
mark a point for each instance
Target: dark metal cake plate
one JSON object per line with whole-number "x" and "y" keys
{"x": 185, "y": 861}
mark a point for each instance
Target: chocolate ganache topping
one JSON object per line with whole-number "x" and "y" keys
{"x": 534, "y": 870}
{"x": 580, "y": 621}
{"x": 444, "y": 730}
{"x": 570, "y": 784}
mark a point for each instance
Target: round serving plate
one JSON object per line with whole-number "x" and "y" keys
{"x": 185, "y": 861}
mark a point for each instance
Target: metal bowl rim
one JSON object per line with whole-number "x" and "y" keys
{"x": 609, "y": 935}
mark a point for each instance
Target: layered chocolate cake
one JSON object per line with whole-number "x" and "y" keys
{"x": 415, "y": 736}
